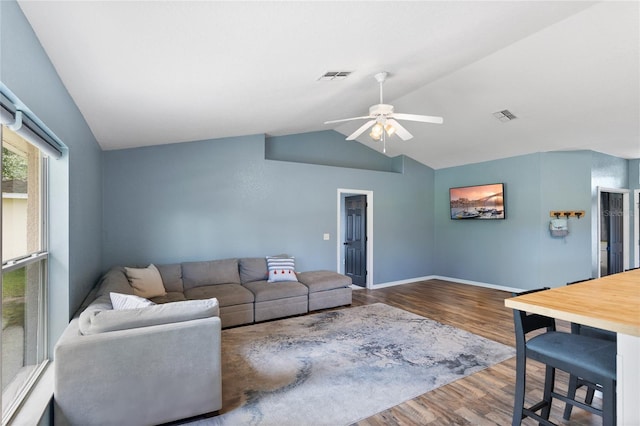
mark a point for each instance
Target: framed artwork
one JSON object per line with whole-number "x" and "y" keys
{"x": 479, "y": 202}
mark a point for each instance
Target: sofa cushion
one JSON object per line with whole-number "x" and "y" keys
{"x": 323, "y": 280}
{"x": 198, "y": 274}
{"x": 227, "y": 294}
{"x": 264, "y": 290}
{"x": 281, "y": 269}
{"x": 253, "y": 269}
{"x": 128, "y": 301}
{"x": 171, "y": 296}
{"x": 114, "y": 280}
{"x": 171, "y": 277}
{"x": 146, "y": 282}
{"x": 101, "y": 321}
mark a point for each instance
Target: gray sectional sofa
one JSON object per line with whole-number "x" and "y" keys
{"x": 161, "y": 363}
{"x": 242, "y": 290}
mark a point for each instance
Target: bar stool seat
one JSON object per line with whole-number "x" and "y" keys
{"x": 589, "y": 358}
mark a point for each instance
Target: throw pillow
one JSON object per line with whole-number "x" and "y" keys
{"x": 281, "y": 269}
{"x": 128, "y": 301}
{"x": 146, "y": 282}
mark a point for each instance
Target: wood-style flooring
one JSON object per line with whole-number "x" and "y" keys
{"x": 486, "y": 397}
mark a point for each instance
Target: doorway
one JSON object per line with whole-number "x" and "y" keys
{"x": 355, "y": 236}
{"x": 613, "y": 231}
{"x": 355, "y": 239}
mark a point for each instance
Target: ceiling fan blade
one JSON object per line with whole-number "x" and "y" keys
{"x": 361, "y": 130}
{"x": 347, "y": 119}
{"x": 400, "y": 131}
{"x": 415, "y": 117}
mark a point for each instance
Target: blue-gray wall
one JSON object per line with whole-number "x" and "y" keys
{"x": 519, "y": 251}
{"x": 319, "y": 148}
{"x": 75, "y": 180}
{"x": 222, "y": 198}
{"x": 501, "y": 252}
{"x": 565, "y": 185}
{"x": 634, "y": 174}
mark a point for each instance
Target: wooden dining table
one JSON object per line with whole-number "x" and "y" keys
{"x": 610, "y": 303}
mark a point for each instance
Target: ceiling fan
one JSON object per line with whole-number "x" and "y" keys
{"x": 382, "y": 119}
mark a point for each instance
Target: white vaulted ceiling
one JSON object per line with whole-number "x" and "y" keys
{"x": 147, "y": 73}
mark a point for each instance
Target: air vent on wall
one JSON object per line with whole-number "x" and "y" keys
{"x": 334, "y": 75}
{"x": 504, "y": 115}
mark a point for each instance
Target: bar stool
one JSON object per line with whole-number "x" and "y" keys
{"x": 576, "y": 382}
{"x": 586, "y": 357}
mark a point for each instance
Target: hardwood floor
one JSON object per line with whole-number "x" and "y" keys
{"x": 484, "y": 398}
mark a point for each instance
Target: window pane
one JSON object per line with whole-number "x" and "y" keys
{"x": 24, "y": 280}
{"x": 21, "y": 198}
{"x": 22, "y": 333}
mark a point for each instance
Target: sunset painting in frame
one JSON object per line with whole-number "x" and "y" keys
{"x": 477, "y": 202}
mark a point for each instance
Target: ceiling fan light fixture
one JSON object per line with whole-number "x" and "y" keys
{"x": 376, "y": 131}
{"x": 389, "y": 129}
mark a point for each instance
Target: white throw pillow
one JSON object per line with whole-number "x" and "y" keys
{"x": 281, "y": 269}
{"x": 128, "y": 301}
{"x": 146, "y": 282}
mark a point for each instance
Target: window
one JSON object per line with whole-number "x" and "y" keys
{"x": 24, "y": 268}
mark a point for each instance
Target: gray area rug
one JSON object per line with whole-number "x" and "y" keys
{"x": 338, "y": 367}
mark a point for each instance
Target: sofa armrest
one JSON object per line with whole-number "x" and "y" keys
{"x": 146, "y": 375}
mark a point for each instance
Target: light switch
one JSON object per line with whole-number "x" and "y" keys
{"x": 326, "y": 237}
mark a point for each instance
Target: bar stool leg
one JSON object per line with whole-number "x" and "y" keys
{"x": 589, "y": 397}
{"x": 549, "y": 383}
{"x": 571, "y": 394}
{"x": 518, "y": 404}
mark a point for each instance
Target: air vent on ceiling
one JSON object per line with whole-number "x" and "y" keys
{"x": 334, "y": 75}
{"x": 504, "y": 115}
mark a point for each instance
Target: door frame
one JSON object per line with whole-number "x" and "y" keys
{"x": 625, "y": 225}
{"x": 636, "y": 228}
{"x": 342, "y": 193}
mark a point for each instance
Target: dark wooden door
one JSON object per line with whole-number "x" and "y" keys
{"x": 611, "y": 232}
{"x": 355, "y": 239}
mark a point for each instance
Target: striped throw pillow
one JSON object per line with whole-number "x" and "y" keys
{"x": 281, "y": 269}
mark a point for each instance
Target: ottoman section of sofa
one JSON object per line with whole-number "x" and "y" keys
{"x": 327, "y": 289}
{"x": 278, "y": 300}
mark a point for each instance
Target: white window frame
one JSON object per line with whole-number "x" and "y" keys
{"x": 41, "y": 257}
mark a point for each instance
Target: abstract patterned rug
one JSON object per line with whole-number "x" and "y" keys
{"x": 338, "y": 367}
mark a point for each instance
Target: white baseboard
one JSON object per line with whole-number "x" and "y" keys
{"x": 455, "y": 280}
{"x": 400, "y": 282}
